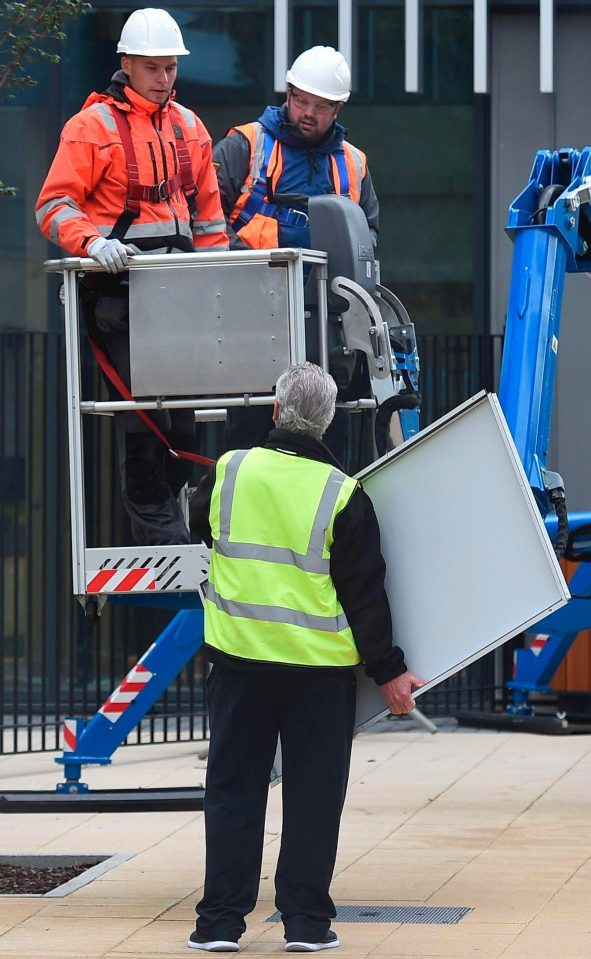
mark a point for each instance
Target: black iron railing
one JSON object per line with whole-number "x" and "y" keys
{"x": 52, "y": 662}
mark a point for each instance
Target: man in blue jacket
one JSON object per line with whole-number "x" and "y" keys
{"x": 266, "y": 171}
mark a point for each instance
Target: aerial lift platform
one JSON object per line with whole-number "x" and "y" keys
{"x": 211, "y": 331}
{"x": 327, "y": 307}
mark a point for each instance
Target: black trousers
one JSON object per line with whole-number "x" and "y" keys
{"x": 312, "y": 712}
{"x": 151, "y": 478}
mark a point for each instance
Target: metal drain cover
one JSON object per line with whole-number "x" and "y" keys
{"x": 419, "y": 915}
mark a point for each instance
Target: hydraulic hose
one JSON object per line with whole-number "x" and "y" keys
{"x": 548, "y": 198}
{"x": 574, "y": 555}
{"x": 402, "y": 401}
{"x": 558, "y": 500}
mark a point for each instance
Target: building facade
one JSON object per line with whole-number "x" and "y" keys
{"x": 451, "y": 101}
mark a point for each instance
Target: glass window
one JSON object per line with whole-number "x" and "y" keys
{"x": 447, "y": 55}
{"x": 314, "y": 26}
{"x": 420, "y": 154}
{"x": 226, "y": 65}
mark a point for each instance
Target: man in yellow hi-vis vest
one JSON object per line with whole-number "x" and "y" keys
{"x": 295, "y": 600}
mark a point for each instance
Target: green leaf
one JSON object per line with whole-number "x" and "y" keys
{"x": 7, "y": 190}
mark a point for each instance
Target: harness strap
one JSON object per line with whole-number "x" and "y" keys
{"x": 273, "y": 163}
{"x": 270, "y": 171}
{"x": 155, "y": 192}
{"x": 185, "y": 169}
{"x": 256, "y": 204}
{"x": 268, "y": 175}
{"x": 340, "y": 173}
{"x": 132, "y": 206}
{"x": 114, "y": 378}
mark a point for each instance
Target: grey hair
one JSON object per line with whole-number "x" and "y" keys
{"x": 306, "y": 397}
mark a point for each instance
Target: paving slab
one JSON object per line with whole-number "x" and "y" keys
{"x": 14, "y": 911}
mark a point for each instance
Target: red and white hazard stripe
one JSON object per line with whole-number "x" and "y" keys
{"x": 120, "y": 580}
{"x": 538, "y": 642}
{"x": 534, "y": 646}
{"x": 126, "y": 692}
{"x": 70, "y": 735}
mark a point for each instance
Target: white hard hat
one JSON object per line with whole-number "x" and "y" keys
{"x": 151, "y": 33}
{"x": 322, "y": 71}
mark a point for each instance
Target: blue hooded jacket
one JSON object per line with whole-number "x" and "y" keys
{"x": 306, "y": 171}
{"x": 306, "y": 167}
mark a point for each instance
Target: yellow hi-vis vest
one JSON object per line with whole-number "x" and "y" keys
{"x": 270, "y": 595}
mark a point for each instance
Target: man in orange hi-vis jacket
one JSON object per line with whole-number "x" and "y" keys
{"x": 132, "y": 174}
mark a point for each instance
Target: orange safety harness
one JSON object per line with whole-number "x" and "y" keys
{"x": 154, "y": 192}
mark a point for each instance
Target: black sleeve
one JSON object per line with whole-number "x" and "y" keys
{"x": 368, "y": 202}
{"x": 231, "y": 159}
{"x": 357, "y": 569}
{"x": 199, "y": 508}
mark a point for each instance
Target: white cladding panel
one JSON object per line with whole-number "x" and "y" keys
{"x": 469, "y": 563}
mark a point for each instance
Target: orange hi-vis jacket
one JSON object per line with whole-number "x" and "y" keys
{"x": 85, "y": 192}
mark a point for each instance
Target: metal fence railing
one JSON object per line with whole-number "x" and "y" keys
{"x": 52, "y": 662}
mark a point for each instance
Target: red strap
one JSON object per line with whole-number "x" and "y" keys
{"x": 185, "y": 164}
{"x": 133, "y": 177}
{"x": 114, "y": 378}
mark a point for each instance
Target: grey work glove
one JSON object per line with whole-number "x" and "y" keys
{"x": 112, "y": 255}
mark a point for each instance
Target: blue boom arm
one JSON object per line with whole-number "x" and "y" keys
{"x": 551, "y": 231}
{"x": 547, "y": 224}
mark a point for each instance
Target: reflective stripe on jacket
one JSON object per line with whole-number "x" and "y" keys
{"x": 270, "y": 595}
{"x": 257, "y": 219}
{"x": 85, "y": 190}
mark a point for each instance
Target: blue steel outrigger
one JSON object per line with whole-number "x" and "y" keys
{"x": 95, "y": 741}
{"x": 550, "y": 225}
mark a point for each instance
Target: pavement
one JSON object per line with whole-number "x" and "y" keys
{"x": 497, "y": 822}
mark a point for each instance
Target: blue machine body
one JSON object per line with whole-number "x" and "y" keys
{"x": 549, "y": 223}
{"x": 407, "y": 363}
